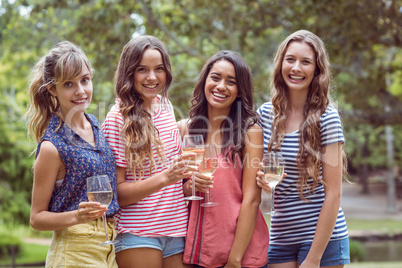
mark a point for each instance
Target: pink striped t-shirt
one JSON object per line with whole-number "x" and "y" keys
{"x": 163, "y": 213}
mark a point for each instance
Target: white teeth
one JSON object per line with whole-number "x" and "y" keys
{"x": 296, "y": 77}
{"x": 151, "y": 86}
{"x": 218, "y": 95}
{"x": 81, "y": 101}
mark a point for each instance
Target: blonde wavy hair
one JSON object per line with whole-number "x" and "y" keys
{"x": 138, "y": 130}
{"x": 63, "y": 62}
{"x": 318, "y": 99}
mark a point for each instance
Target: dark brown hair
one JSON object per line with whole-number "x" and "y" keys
{"x": 241, "y": 115}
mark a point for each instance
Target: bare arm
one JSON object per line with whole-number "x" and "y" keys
{"x": 332, "y": 176}
{"x": 47, "y": 167}
{"x": 182, "y": 126}
{"x": 252, "y": 154}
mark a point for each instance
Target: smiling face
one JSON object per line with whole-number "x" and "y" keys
{"x": 221, "y": 87}
{"x": 298, "y": 66}
{"x": 74, "y": 94}
{"x": 150, "y": 76}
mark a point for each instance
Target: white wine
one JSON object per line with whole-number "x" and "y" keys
{"x": 208, "y": 166}
{"x": 103, "y": 197}
{"x": 199, "y": 154}
{"x": 273, "y": 174}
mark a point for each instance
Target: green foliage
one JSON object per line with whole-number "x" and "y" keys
{"x": 363, "y": 42}
{"x": 366, "y": 145}
{"x": 14, "y": 234}
{"x": 15, "y": 163}
{"x": 357, "y": 251}
{"x": 15, "y": 206}
{"x": 33, "y": 253}
{"x": 28, "y": 254}
{"x": 9, "y": 243}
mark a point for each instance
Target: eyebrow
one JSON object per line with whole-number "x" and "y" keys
{"x": 85, "y": 75}
{"x": 291, "y": 55}
{"x": 142, "y": 65}
{"x": 231, "y": 77}
{"x": 69, "y": 79}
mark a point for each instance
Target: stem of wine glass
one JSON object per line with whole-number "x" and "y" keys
{"x": 272, "y": 200}
{"x": 104, "y": 225}
{"x": 208, "y": 196}
{"x": 193, "y": 183}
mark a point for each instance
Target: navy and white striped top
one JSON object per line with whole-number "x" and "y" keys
{"x": 298, "y": 219}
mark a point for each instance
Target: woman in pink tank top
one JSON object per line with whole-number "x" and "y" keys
{"x": 234, "y": 233}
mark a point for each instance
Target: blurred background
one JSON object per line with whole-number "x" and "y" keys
{"x": 363, "y": 39}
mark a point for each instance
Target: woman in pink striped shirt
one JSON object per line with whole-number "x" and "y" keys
{"x": 142, "y": 132}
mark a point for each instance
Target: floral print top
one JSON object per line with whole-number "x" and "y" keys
{"x": 81, "y": 160}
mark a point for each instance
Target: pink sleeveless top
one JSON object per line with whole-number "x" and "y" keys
{"x": 211, "y": 230}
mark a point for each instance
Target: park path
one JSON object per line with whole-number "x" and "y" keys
{"x": 368, "y": 206}
{"x": 38, "y": 241}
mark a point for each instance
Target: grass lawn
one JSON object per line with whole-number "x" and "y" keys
{"x": 30, "y": 253}
{"x": 383, "y": 226}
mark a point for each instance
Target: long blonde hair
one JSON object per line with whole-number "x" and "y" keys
{"x": 138, "y": 130}
{"x": 63, "y": 62}
{"x": 318, "y": 99}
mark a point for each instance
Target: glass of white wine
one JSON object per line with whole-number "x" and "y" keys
{"x": 193, "y": 144}
{"x": 99, "y": 190}
{"x": 273, "y": 167}
{"x": 207, "y": 167}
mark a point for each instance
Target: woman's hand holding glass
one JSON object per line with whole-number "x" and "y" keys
{"x": 261, "y": 182}
{"x": 88, "y": 211}
{"x": 207, "y": 167}
{"x": 203, "y": 182}
{"x": 273, "y": 166}
{"x": 193, "y": 144}
{"x": 100, "y": 190}
{"x": 182, "y": 167}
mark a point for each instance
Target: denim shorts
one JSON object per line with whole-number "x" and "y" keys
{"x": 336, "y": 253}
{"x": 168, "y": 245}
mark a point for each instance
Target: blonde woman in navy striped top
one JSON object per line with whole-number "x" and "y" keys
{"x": 300, "y": 121}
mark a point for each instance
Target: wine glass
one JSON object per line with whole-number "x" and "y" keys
{"x": 207, "y": 167}
{"x": 193, "y": 144}
{"x": 99, "y": 190}
{"x": 273, "y": 167}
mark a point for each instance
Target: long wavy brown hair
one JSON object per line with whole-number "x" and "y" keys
{"x": 318, "y": 99}
{"x": 241, "y": 115}
{"x": 138, "y": 130}
{"x": 63, "y": 62}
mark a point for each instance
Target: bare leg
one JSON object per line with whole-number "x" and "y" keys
{"x": 175, "y": 261}
{"x": 140, "y": 257}
{"x": 335, "y": 266}
{"x": 292, "y": 264}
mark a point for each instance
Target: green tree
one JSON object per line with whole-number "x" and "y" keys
{"x": 363, "y": 40}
